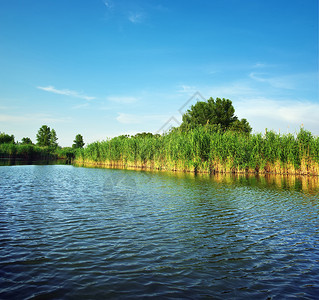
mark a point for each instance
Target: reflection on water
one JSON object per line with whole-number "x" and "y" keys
{"x": 308, "y": 184}
{"x": 81, "y": 233}
{"x": 300, "y": 183}
{"x": 22, "y": 162}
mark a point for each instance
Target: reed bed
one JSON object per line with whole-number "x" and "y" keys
{"x": 27, "y": 152}
{"x": 206, "y": 151}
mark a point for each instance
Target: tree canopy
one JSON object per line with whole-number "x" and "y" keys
{"x": 53, "y": 139}
{"x": 218, "y": 114}
{"x": 78, "y": 142}
{"x": 26, "y": 141}
{"x": 6, "y": 138}
{"x": 145, "y": 135}
{"x": 47, "y": 137}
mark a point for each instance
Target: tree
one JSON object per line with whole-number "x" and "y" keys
{"x": 47, "y": 137}
{"x": 44, "y": 136}
{"x": 241, "y": 126}
{"x": 6, "y": 138}
{"x": 219, "y": 114}
{"x": 53, "y": 139}
{"x": 143, "y": 135}
{"x": 78, "y": 142}
{"x": 26, "y": 141}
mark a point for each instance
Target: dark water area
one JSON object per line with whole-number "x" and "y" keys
{"x": 23, "y": 162}
{"x": 81, "y": 233}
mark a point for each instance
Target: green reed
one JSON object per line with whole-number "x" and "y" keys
{"x": 27, "y": 152}
{"x": 204, "y": 150}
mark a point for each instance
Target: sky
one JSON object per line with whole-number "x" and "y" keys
{"x": 102, "y": 68}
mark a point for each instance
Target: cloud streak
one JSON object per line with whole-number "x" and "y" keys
{"x": 65, "y": 92}
{"x": 135, "y": 18}
{"x": 108, "y": 4}
{"x": 282, "y": 82}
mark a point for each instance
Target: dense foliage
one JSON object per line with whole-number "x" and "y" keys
{"x": 219, "y": 114}
{"x": 6, "y": 138}
{"x": 205, "y": 150}
{"x": 47, "y": 137}
{"x": 26, "y": 152}
{"x": 46, "y": 148}
{"x": 26, "y": 141}
{"x": 78, "y": 142}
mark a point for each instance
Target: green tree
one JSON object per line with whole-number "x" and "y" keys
{"x": 53, "y": 139}
{"x": 47, "y": 137}
{"x": 78, "y": 142}
{"x": 44, "y": 136}
{"x": 241, "y": 126}
{"x": 6, "y": 138}
{"x": 26, "y": 141}
{"x": 218, "y": 114}
{"x": 144, "y": 135}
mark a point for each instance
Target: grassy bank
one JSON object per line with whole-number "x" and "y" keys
{"x": 203, "y": 150}
{"x": 30, "y": 152}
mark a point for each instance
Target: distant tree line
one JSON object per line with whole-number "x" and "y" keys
{"x": 45, "y": 137}
{"x": 46, "y": 147}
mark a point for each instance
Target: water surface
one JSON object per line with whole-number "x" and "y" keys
{"x": 74, "y": 233}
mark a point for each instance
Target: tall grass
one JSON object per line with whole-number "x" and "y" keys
{"x": 202, "y": 150}
{"x": 27, "y": 152}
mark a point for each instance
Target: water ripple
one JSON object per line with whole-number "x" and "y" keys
{"x": 75, "y": 233}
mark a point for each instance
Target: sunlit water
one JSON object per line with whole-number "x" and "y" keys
{"x": 80, "y": 233}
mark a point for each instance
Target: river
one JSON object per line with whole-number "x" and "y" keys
{"x": 81, "y": 233}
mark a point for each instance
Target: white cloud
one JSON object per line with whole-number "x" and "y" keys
{"x": 282, "y": 82}
{"x": 122, "y": 99}
{"x": 136, "y": 17}
{"x": 128, "y": 118}
{"x": 108, "y": 4}
{"x": 257, "y": 77}
{"x": 273, "y": 102}
{"x": 65, "y": 92}
{"x": 236, "y": 89}
{"x": 260, "y": 65}
{"x": 297, "y": 81}
{"x": 186, "y": 89}
{"x": 279, "y": 114}
{"x": 262, "y": 84}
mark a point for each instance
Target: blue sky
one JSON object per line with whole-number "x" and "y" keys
{"x": 103, "y": 68}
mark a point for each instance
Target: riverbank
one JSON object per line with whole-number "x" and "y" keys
{"x": 12, "y": 153}
{"x": 203, "y": 151}
{"x": 214, "y": 168}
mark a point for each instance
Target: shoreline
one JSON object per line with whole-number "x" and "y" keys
{"x": 210, "y": 170}
{"x": 306, "y": 183}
